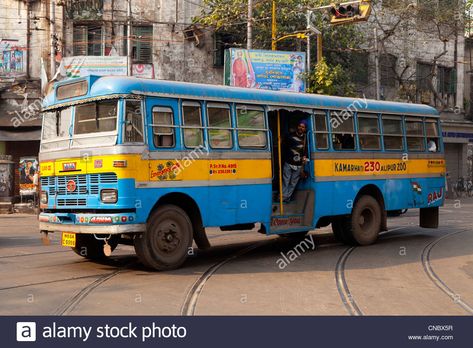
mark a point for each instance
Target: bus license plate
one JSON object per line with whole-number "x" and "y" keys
{"x": 68, "y": 239}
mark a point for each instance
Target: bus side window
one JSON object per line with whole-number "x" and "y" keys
{"x": 415, "y": 134}
{"x": 368, "y": 130}
{"x": 219, "y": 126}
{"x": 192, "y": 124}
{"x": 133, "y": 122}
{"x": 343, "y": 132}
{"x": 432, "y": 133}
{"x": 163, "y": 127}
{"x": 392, "y": 129}
{"x": 251, "y": 127}
{"x": 321, "y": 130}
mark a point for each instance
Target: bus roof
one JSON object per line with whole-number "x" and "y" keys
{"x": 121, "y": 85}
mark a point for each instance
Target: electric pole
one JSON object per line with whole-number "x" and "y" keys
{"x": 273, "y": 27}
{"x": 250, "y": 25}
{"x": 128, "y": 39}
{"x": 52, "y": 32}
{"x": 376, "y": 64}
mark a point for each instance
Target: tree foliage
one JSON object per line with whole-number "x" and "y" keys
{"x": 329, "y": 80}
{"x": 230, "y": 17}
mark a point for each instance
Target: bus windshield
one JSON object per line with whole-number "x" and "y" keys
{"x": 90, "y": 118}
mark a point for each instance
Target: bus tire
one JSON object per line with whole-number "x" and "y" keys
{"x": 165, "y": 243}
{"x": 91, "y": 248}
{"x": 365, "y": 221}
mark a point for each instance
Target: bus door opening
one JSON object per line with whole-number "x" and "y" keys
{"x": 293, "y": 187}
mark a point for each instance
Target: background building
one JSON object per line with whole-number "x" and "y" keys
{"x": 421, "y": 58}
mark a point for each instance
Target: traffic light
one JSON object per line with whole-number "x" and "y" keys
{"x": 352, "y": 12}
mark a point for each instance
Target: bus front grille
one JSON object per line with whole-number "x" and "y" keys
{"x": 65, "y": 202}
{"x": 85, "y": 184}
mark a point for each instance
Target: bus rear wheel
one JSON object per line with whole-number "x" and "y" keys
{"x": 165, "y": 243}
{"x": 92, "y": 248}
{"x": 366, "y": 219}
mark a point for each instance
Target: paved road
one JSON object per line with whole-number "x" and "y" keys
{"x": 410, "y": 271}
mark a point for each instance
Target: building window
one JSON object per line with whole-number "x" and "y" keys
{"x": 446, "y": 80}
{"x": 388, "y": 70}
{"x": 222, "y": 41}
{"x": 88, "y": 40}
{"x": 359, "y": 67}
{"x": 142, "y": 44}
{"x": 424, "y": 76}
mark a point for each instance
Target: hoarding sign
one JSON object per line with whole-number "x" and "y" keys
{"x": 273, "y": 70}
{"x": 28, "y": 175}
{"x": 79, "y": 66}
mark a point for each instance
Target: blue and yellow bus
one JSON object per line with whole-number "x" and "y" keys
{"x": 154, "y": 163}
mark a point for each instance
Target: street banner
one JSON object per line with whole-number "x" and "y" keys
{"x": 79, "y": 66}
{"x": 28, "y": 175}
{"x": 272, "y": 70}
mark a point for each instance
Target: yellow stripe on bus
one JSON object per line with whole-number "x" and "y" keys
{"x": 161, "y": 170}
{"x": 370, "y": 167}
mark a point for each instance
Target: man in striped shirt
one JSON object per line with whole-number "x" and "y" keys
{"x": 295, "y": 156}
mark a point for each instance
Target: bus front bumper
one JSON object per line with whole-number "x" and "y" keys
{"x": 90, "y": 223}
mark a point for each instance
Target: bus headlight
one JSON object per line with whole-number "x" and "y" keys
{"x": 44, "y": 197}
{"x": 109, "y": 196}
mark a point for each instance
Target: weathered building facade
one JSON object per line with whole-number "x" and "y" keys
{"x": 164, "y": 43}
{"x": 421, "y": 60}
{"x": 35, "y": 36}
{"x": 24, "y": 43}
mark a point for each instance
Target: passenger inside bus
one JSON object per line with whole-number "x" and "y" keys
{"x": 295, "y": 157}
{"x": 343, "y": 142}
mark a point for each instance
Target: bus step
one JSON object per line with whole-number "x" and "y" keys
{"x": 293, "y": 207}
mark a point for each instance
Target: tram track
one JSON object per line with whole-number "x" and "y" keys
{"x": 192, "y": 296}
{"x": 34, "y": 254}
{"x": 433, "y": 276}
{"x": 48, "y": 282}
{"x": 349, "y": 301}
{"x": 342, "y": 286}
{"x": 69, "y": 305}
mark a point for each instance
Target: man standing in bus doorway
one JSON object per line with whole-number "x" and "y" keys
{"x": 294, "y": 160}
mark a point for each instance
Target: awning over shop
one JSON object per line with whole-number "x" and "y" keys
{"x": 8, "y": 135}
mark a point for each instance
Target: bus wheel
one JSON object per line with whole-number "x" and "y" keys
{"x": 167, "y": 239}
{"x": 366, "y": 221}
{"x": 91, "y": 248}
